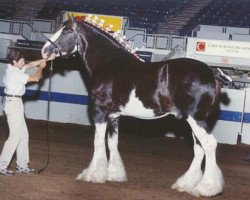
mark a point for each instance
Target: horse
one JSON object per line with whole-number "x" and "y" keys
{"x": 120, "y": 84}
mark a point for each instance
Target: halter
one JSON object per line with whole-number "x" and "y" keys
{"x": 58, "y": 48}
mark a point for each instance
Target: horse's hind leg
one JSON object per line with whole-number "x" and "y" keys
{"x": 97, "y": 169}
{"x": 212, "y": 181}
{"x": 116, "y": 170}
{"x": 193, "y": 175}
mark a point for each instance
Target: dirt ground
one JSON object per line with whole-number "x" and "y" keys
{"x": 153, "y": 163}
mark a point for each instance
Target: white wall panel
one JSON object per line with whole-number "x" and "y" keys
{"x": 245, "y": 135}
{"x": 229, "y": 124}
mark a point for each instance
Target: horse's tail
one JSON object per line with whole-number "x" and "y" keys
{"x": 217, "y": 91}
{"x": 214, "y": 112}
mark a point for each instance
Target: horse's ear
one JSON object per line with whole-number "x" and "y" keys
{"x": 71, "y": 18}
{"x": 72, "y": 21}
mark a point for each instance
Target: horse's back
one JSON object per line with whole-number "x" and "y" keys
{"x": 186, "y": 67}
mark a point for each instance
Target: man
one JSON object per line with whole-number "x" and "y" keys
{"x": 15, "y": 80}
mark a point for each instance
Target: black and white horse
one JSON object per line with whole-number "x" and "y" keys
{"x": 121, "y": 84}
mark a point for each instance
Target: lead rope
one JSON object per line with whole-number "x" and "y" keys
{"x": 48, "y": 121}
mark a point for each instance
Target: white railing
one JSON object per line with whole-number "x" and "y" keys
{"x": 141, "y": 39}
{"x": 24, "y": 29}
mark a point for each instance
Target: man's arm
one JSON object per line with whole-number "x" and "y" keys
{"x": 36, "y": 77}
{"x": 34, "y": 63}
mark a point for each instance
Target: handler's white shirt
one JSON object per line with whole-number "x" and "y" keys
{"x": 15, "y": 80}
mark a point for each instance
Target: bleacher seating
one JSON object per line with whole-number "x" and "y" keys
{"x": 221, "y": 13}
{"x": 142, "y": 13}
{"x": 8, "y": 8}
{"x": 145, "y": 13}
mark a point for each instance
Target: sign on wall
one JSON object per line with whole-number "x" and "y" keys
{"x": 219, "y": 52}
{"x": 223, "y": 48}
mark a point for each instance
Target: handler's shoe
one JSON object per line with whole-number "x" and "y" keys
{"x": 6, "y": 172}
{"x": 26, "y": 170}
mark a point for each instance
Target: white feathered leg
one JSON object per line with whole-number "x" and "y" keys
{"x": 116, "y": 170}
{"x": 212, "y": 182}
{"x": 97, "y": 169}
{"x": 193, "y": 175}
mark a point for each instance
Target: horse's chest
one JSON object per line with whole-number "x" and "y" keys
{"x": 134, "y": 107}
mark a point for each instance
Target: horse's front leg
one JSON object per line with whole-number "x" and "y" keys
{"x": 97, "y": 169}
{"x": 116, "y": 170}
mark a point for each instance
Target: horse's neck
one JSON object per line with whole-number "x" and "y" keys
{"x": 101, "y": 49}
{"x": 101, "y": 54}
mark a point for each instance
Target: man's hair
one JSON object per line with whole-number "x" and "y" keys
{"x": 15, "y": 55}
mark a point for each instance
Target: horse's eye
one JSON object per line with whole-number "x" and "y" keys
{"x": 68, "y": 31}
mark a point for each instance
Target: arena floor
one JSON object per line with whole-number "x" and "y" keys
{"x": 153, "y": 162}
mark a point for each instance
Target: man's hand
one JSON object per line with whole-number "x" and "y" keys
{"x": 42, "y": 64}
{"x": 52, "y": 57}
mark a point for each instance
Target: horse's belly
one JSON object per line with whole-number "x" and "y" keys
{"x": 135, "y": 108}
{"x": 137, "y": 111}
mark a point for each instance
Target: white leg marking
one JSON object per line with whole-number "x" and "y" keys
{"x": 116, "y": 170}
{"x": 188, "y": 180}
{"x": 97, "y": 169}
{"x": 212, "y": 182}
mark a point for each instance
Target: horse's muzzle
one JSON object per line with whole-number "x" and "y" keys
{"x": 47, "y": 51}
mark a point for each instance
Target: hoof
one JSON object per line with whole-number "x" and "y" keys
{"x": 186, "y": 183}
{"x": 116, "y": 170}
{"x": 207, "y": 189}
{"x": 117, "y": 177}
{"x": 181, "y": 187}
{"x": 94, "y": 176}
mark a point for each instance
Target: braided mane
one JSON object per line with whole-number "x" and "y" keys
{"x": 117, "y": 35}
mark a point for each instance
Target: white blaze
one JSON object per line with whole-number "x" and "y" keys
{"x": 53, "y": 39}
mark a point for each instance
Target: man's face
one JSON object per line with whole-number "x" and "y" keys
{"x": 20, "y": 63}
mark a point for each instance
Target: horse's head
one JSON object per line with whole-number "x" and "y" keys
{"x": 64, "y": 42}
{"x": 93, "y": 41}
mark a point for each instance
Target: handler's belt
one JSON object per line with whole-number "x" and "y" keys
{"x": 10, "y": 95}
